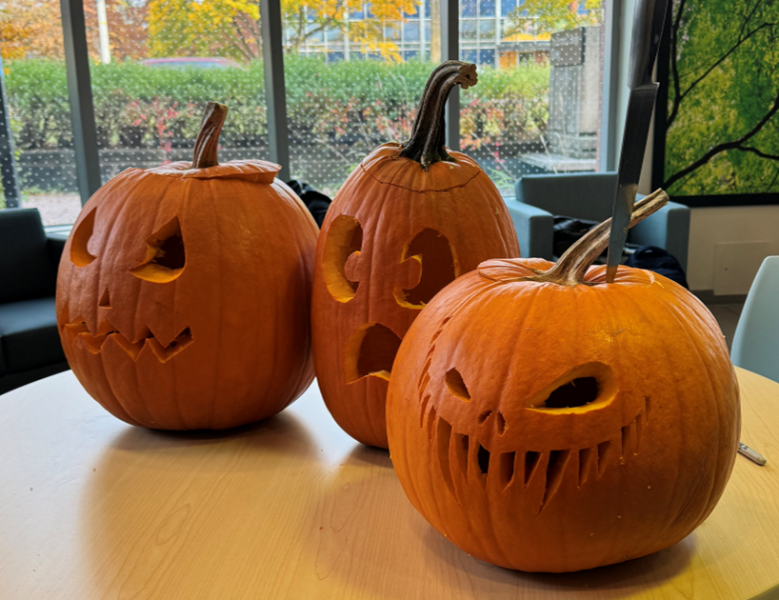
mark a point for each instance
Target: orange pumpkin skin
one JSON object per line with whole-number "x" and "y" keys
{"x": 394, "y": 235}
{"x": 521, "y": 485}
{"x": 220, "y": 342}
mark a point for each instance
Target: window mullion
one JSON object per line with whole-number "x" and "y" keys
{"x": 275, "y": 91}
{"x": 82, "y": 112}
{"x": 10, "y": 176}
{"x": 450, "y": 50}
{"x": 611, "y": 65}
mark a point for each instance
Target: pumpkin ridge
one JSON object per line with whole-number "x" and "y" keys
{"x": 652, "y": 542}
{"x": 719, "y": 403}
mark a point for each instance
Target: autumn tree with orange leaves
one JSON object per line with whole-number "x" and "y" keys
{"x": 33, "y": 29}
{"x": 161, "y": 28}
{"x": 232, "y": 27}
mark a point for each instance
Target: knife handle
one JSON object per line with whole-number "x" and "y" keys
{"x": 648, "y": 22}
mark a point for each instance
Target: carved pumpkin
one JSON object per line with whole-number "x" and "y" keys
{"x": 183, "y": 294}
{"x": 544, "y": 420}
{"x": 408, "y": 221}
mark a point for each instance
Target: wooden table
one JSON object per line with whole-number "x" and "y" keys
{"x": 92, "y": 508}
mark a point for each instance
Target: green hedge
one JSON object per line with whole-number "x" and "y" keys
{"x": 341, "y": 103}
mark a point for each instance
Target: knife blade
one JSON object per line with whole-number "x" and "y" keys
{"x": 648, "y": 21}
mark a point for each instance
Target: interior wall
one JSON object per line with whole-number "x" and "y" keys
{"x": 727, "y": 244}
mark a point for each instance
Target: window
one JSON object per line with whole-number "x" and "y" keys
{"x": 542, "y": 115}
{"x": 468, "y": 8}
{"x": 507, "y": 6}
{"x": 468, "y": 29}
{"x": 411, "y": 32}
{"x": 352, "y": 83}
{"x": 486, "y": 8}
{"x": 487, "y": 57}
{"x": 41, "y": 172}
{"x": 487, "y": 31}
{"x": 152, "y": 80}
{"x": 468, "y": 56}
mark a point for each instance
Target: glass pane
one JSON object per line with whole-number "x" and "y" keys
{"x": 335, "y": 34}
{"x": 536, "y": 108}
{"x": 468, "y": 29}
{"x": 411, "y": 32}
{"x": 508, "y": 27}
{"x": 487, "y": 57}
{"x": 313, "y": 35}
{"x": 487, "y": 30}
{"x": 153, "y": 70}
{"x": 338, "y": 111}
{"x": 467, "y": 8}
{"x": 506, "y": 7}
{"x": 486, "y": 8}
{"x": 468, "y": 56}
{"x": 39, "y": 113}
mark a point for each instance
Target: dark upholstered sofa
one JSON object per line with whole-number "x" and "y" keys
{"x": 29, "y": 343}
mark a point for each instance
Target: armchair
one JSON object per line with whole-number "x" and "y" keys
{"x": 588, "y": 196}
{"x": 29, "y": 341}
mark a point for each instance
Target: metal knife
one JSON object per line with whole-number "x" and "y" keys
{"x": 648, "y": 21}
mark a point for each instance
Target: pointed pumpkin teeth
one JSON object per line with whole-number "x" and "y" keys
{"x": 78, "y": 331}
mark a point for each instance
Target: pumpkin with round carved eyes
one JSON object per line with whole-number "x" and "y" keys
{"x": 408, "y": 221}
{"x": 183, "y": 293}
{"x": 543, "y": 420}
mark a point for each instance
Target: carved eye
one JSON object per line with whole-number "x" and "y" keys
{"x": 438, "y": 268}
{"x": 165, "y": 255}
{"x": 79, "y": 254}
{"x": 342, "y": 250}
{"x": 584, "y": 387}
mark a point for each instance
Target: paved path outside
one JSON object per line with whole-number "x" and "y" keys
{"x": 59, "y": 209}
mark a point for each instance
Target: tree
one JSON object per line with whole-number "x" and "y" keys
{"x": 229, "y": 28}
{"x": 232, "y": 27}
{"x": 27, "y": 29}
{"x": 548, "y": 16}
{"x": 33, "y": 29}
{"x": 722, "y": 133}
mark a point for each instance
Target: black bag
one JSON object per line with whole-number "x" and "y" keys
{"x": 660, "y": 261}
{"x": 316, "y": 202}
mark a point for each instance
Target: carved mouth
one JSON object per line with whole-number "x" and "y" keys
{"x": 521, "y": 469}
{"x": 77, "y": 330}
{"x": 457, "y": 452}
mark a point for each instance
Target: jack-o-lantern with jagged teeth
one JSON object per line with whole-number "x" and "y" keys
{"x": 544, "y": 420}
{"x": 183, "y": 293}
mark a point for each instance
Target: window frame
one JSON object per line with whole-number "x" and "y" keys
{"x": 83, "y": 117}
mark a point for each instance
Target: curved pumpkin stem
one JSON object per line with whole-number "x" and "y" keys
{"x": 572, "y": 266}
{"x": 207, "y": 141}
{"x": 428, "y": 135}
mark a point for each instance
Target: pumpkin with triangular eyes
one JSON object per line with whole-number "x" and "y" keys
{"x": 543, "y": 420}
{"x": 183, "y": 293}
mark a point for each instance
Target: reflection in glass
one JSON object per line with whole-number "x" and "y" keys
{"x": 468, "y": 29}
{"x": 487, "y": 29}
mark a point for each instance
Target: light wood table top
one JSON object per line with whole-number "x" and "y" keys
{"x": 92, "y": 508}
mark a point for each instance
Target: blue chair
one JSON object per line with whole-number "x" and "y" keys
{"x": 756, "y": 341}
{"x": 588, "y": 196}
{"x": 29, "y": 341}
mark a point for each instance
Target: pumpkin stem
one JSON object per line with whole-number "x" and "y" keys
{"x": 572, "y": 266}
{"x": 207, "y": 141}
{"x": 428, "y": 134}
